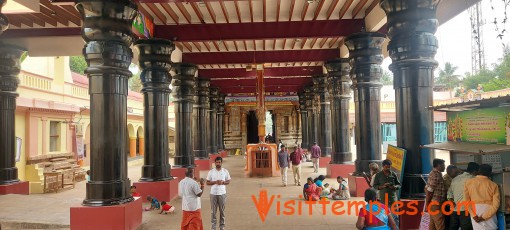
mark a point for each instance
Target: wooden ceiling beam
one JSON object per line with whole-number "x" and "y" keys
{"x": 312, "y": 43}
{"x": 303, "y": 12}
{"x": 225, "y": 12}
{"x": 331, "y": 8}
{"x": 161, "y": 17}
{"x": 278, "y": 10}
{"x": 61, "y": 12}
{"x": 45, "y": 18}
{"x": 358, "y": 8}
{"x": 171, "y": 12}
{"x": 52, "y": 14}
{"x": 303, "y": 42}
{"x": 291, "y": 10}
{"x": 211, "y": 11}
{"x": 251, "y": 10}
{"x": 198, "y": 12}
{"x": 237, "y": 10}
{"x": 345, "y": 7}
{"x": 264, "y": 10}
{"x": 371, "y": 7}
{"x": 318, "y": 9}
{"x": 144, "y": 11}
{"x": 34, "y": 19}
{"x": 184, "y": 12}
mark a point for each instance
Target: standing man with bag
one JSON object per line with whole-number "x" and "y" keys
{"x": 436, "y": 195}
{"x": 218, "y": 177}
{"x": 296, "y": 157}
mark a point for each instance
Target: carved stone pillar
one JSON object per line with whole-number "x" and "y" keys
{"x": 365, "y": 56}
{"x": 321, "y": 89}
{"x": 411, "y": 28}
{"x": 106, "y": 28}
{"x": 338, "y": 72}
{"x": 183, "y": 91}
{"x": 213, "y": 101}
{"x": 201, "y": 119}
{"x": 304, "y": 121}
{"x": 312, "y": 121}
{"x": 155, "y": 62}
{"x": 9, "y": 70}
{"x": 221, "y": 113}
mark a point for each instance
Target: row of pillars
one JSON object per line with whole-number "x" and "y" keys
{"x": 412, "y": 49}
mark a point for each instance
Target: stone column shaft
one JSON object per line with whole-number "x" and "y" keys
{"x": 106, "y": 28}
{"x": 221, "y": 114}
{"x": 312, "y": 117}
{"x": 321, "y": 89}
{"x": 338, "y": 71}
{"x": 412, "y": 49}
{"x": 213, "y": 99}
{"x": 183, "y": 91}
{"x": 304, "y": 121}
{"x": 201, "y": 121}
{"x": 155, "y": 61}
{"x": 365, "y": 57}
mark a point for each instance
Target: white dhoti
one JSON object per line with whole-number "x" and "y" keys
{"x": 489, "y": 224}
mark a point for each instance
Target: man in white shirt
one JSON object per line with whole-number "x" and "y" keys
{"x": 218, "y": 177}
{"x": 190, "y": 191}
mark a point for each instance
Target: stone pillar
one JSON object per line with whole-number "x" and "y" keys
{"x": 365, "y": 57}
{"x": 221, "y": 113}
{"x": 311, "y": 111}
{"x": 338, "y": 72}
{"x": 304, "y": 121}
{"x": 155, "y": 62}
{"x": 106, "y": 28}
{"x": 183, "y": 91}
{"x": 324, "y": 128}
{"x": 9, "y": 70}
{"x": 213, "y": 99}
{"x": 200, "y": 122}
{"x": 411, "y": 28}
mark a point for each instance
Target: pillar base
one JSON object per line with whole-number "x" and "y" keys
{"x": 212, "y": 157}
{"x": 408, "y": 221}
{"x": 357, "y": 185}
{"x": 180, "y": 173}
{"x": 203, "y": 164}
{"x": 163, "y": 190}
{"x": 343, "y": 170}
{"x": 223, "y": 154}
{"x": 21, "y": 188}
{"x": 324, "y": 161}
{"x": 124, "y": 216}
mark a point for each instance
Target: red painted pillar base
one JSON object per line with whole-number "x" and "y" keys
{"x": 162, "y": 190}
{"x": 212, "y": 157}
{"x": 224, "y": 154}
{"x": 324, "y": 162}
{"x": 357, "y": 185}
{"x": 124, "y": 216}
{"x": 343, "y": 170}
{"x": 180, "y": 173}
{"x": 21, "y": 188}
{"x": 203, "y": 164}
{"x": 407, "y": 220}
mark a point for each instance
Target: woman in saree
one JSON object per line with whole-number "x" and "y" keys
{"x": 374, "y": 216}
{"x": 311, "y": 190}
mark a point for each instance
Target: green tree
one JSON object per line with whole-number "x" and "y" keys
{"x": 447, "y": 76}
{"x": 77, "y": 64}
{"x": 135, "y": 83}
{"x": 496, "y": 79}
{"x": 387, "y": 78}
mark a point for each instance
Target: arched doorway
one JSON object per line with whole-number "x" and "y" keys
{"x": 140, "y": 142}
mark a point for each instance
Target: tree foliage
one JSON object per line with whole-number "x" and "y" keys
{"x": 387, "y": 78}
{"x": 495, "y": 79}
{"x": 135, "y": 83}
{"x": 447, "y": 76}
{"x": 77, "y": 64}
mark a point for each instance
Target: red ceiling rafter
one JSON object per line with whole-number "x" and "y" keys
{"x": 184, "y": 12}
{"x": 171, "y": 12}
{"x": 188, "y": 46}
{"x": 197, "y": 45}
{"x": 303, "y": 12}
{"x": 198, "y": 12}
{"x": 144, "y": 12}
{"x": 264, "y": 10}
{"x": 179, "y": 46}
{"x": 211, "y": 11}
{"x": 371, "y": 7}
{"x": 273, "y": 72}
{"x": 324, "y": 40}
{"x": 331, "y": 8}
{"x": 318, "y": 9}
{"x": 61, "y": 12}
{"x": 358, "y": 8}
{"x": 71, "y": 10}
{"x": 215, "y": 43}
{"x": 294, "y": 43}
{"x": 245, "y": 46}
{"x": 291, "y": 10}
{"x": 333, "y": 42}
{"x": 45, "y": 18}
{"x": 283, "y": 44}
{"x": 225, "y": 12}
{"x": 235, "y": 45}
{"x": 344, "y": 9}
{"x": 161, "y": 17}
{"x": 278, "y": 10}
{"x": 263, "y": 44}
{"x": 251, "y": 10}
{"x": 260, "y": 56}
{"x": 274, "y": 44}
{"x": 312, "y": 43}
{"x": 53, "y": 15}
{"x": 35, "y": 19}
{"x": 303, "y": 42}
{"x": 237, "y": 10}
{"x": 225, "y": 45}
{"x": 254, "y": 45}
{"x": 260, "y": 30}
{"x": 25, "y": 20}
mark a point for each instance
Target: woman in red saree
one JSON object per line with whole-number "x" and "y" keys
{"x": 311, "y": 191}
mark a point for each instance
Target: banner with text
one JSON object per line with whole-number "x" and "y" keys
{"x": 397, "y": 156}
{"x": 488, "y": 126}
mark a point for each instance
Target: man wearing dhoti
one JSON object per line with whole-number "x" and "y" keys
{"x": 485, "y": 195}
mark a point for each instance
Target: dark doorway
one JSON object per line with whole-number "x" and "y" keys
{"x": 252, "y": 128}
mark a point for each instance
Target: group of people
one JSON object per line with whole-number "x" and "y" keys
{"x": 285, "y": 160}
{"x": 191, "y": 190}
{"x": 316, "y": 189}
{"x": 475, "y": 196}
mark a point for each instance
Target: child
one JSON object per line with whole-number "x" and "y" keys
{"x": 133, "y": 192}
{"x": 87, "y": 177}
{"x": 154, "y": 202}
{"x": 166, "y": 208}
{"x": 326, "y": 191}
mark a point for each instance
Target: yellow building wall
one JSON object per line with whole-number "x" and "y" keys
{"x": 20, "y": 132}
